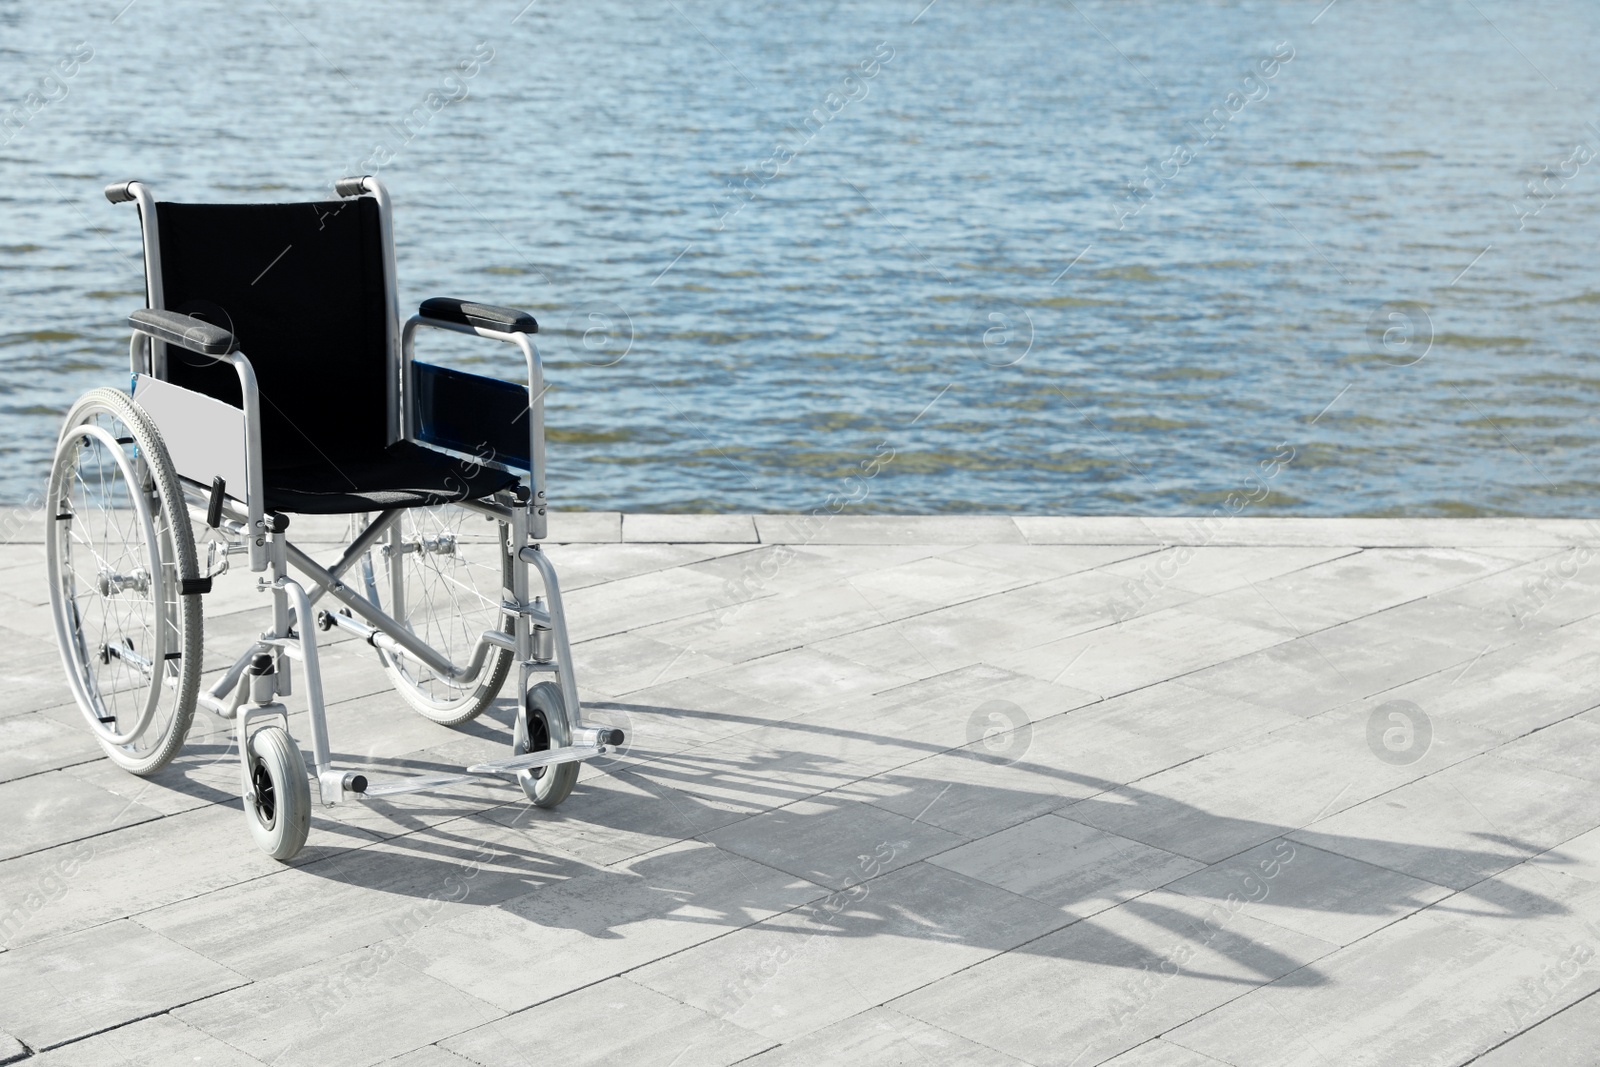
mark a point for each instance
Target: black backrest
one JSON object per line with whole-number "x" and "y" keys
{"x": 301, "y": 287}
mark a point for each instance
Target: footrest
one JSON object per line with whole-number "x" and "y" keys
{"x": 569, "y": 754}
{"x": 388, "y": 787}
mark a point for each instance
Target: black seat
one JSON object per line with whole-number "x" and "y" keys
{"x": 301, "y": 287}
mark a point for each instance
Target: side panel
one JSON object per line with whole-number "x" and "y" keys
{"x": 204, "y": 436}
{"x": 482, "y": 417}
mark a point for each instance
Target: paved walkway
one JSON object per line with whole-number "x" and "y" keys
{"x": 1155, "y": 793}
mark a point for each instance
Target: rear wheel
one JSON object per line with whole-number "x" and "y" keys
{"x": 542, "y": 725}
{"x": 443, "y": 573}
{"x": 118, "y": 553}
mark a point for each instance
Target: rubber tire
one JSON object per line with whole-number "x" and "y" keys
{"x": 170, "y": 492}
{"x": 495, "y": 669}
{"x": 547, "y": 787}
{"x": 282, "y": 837}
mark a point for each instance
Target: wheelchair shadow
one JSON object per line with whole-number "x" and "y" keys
{"x": 615, "y": 844}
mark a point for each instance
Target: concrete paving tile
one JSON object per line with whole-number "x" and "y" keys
{"x": 1079, "y": 602}
{"x": 376, "y": 727}
{"x": 770, "y": 624}
{"x": 749, "y": 777}
{"x": 1065, "y": 864}
{"x": 934, "y": 582}
{"x": 858, "y": 559}
{"x": 1463, "y": 823}
{"x": 1508, "y": 531}
{"x": 1366, "y": 582}
{"x": 615, "y": 817}
{"x": 888, "y": 530}
{"x": 1577, "y": 857}
{"x": 1137, "y": 734}
{"x": 1364, "y": 532}
{"x": 924, "y": 645}
{"x": 774, "y": 765}
{"x": 601, "y": 923}
{"x": 1571, "y": 747}
{"x": 33, "y": 742}
{"x": 31, "y": 673}
{"x": 882, "y": 1037}
{"x": 1328, "y": 896}
{"x": 645, "y": 1028}
{"x": 686, "y": 529}
{"x": 1216, "y": 569}
{"x": 340, "y": 1010}
{"x": 1140, "y": 652}
{"x": 1159, "y": 1053}
{"x": 1087, "y": 530}
{"x": 804, "y": 679}
{"x": 627, "y": 662}
{"x": 771, "y": 569}
{"x": 432, "y": 1056}
{"x": 789, "y": 569}
{"x": 23, "y": 550}
{"x": 1129, "y": 974}
{"x": 801, "y": 971}
{"x": 1008, "y": 777}
{"x": 833, "y": 841}
{"x": 1540, "y": 905}
{"x": 1423, "y": 992}
{"x": 11, "y": 1050}
{"x": 329, "y": 907}
{"x": 967, "y": 792}
{"x": 585, "y": 526}
{"x": 962, "y": 693}
{"x": 1038, "y": 563}
{"x": 935, "y": 642}
{"x": 671, "y": 714}
{"x": 637, "y": 602}
{"x": 1002, "y": 780}
{"x": 1555, "y": 589}
{"x": 54, "y": 808}
{"x": 1218, "y": 805}
{"x": 1454, "y": 624}
{"x": 157, "y": 1042}
{"x": 85, "y": 883}
{"x": 580, "y": 566}
{"x": 1565, "y": 1039}
{"x": 68, "y": 987}
{"x": 1251, "y": 605}
{"x": 206, "y": 771}
{"x": 1312, "y": 674}
{"x": 950, "y": 710}
{"x": 1508, "y": 692}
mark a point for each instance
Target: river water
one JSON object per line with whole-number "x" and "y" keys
{"x": 1035, "y": 257}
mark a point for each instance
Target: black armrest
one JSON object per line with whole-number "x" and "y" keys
{"x": 185, "y": 331}
{"x": 484, "y": 316}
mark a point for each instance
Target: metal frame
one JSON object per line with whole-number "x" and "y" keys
{"x": 246, "y": 527}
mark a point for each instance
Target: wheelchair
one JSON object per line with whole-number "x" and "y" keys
{"x": 271, "y": 377}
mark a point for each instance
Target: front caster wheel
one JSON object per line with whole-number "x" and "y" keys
{"x": 280, "y": 813}
{"x": 543, "y": 717}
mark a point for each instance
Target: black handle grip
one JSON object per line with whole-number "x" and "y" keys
{"x": 350, "y": 186}
{"x": 119, "y": 192}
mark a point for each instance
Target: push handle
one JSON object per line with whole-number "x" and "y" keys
{"x": 120, "y": 192}
{"x": 347, "y": 186}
